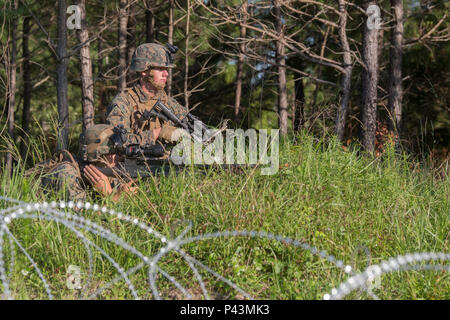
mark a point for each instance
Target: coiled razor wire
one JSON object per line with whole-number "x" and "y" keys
{"x": 52, "y": 212}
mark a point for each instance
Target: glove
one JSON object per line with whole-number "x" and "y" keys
{"x": 179, "y": 134}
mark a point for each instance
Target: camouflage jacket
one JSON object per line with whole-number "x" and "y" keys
{"x": 127, "y": 108}
{"x": 65, "y": 174}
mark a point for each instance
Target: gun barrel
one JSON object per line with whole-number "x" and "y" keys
{"x": 164, "y": 167}
{"x": 186, "y": 126}
{"x": 136, "y": 171}
{"x": 169, "y": 114}
{"x": 157, "y": 114}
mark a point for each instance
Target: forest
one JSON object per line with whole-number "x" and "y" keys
{"x": 356, "y": 208}
{"x": 366, "y": 71}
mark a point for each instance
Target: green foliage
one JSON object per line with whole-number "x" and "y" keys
{"x": 214, "y": 48}
{"x": 335, "y": 200}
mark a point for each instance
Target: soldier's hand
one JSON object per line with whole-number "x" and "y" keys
{"x": 99, "y": 181}
{"x": 156, "y": 133}
{"x": 178, "y": 134}
{"x": 128, "y": 188}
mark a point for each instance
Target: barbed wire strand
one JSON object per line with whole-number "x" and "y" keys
{"x": 33, "y": 263}
{"x": 80, "y": 235}
{"x": 77, "y": 224}
{"x": 87, "y": 222}
{"x": 399, "y": 263}
{"x": 231, "y": 284}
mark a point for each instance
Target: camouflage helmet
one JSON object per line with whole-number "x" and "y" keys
{"x": 151, "y": 55}
{"x": 97, "y": 141}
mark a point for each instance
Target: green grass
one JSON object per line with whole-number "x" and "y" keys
{"x": 335, "y": 200}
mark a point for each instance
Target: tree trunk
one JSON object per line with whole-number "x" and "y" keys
{"x": 395, "y": 85}
{"x": 281, "y": 62}
{"x": 170, "y": 40}
{"x": 347, "y": 75}
{"x": 87, "y": 85}
{"x": 101, "y": 86}
{"x": 240, "y": 65}
{"x": 131, "y": 39}
{"x": 369, "y": 83}
{"x": 123, "y": 21}
{"x": 26, "y": 87}
{"x": 12, "y": 83}
{"x": 61, "y": 78}
{"x": 299, "y": 105}
{"x": 380, "y": 44}
{"x": 314, "y": 109}
{"x": 186, "y": 61}
{"x": 150, "y": 20}
{"x": 100, "y": 57}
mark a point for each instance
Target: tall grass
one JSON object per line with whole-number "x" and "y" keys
{"x": 336, "y": 200}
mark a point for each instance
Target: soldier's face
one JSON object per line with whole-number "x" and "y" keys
{"x": 157, "y": 77}
{"x": 160, "y": 76}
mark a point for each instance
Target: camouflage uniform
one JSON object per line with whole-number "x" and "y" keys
{"x": 63, "y": 171}
{"x": 128, "y": 106}
{"x": 66, "y": 175}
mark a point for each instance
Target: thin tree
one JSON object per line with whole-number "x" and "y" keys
{"x": 186, "y": 61}
{"x": 240, "y": 62}
{"x": 395, "y": 83}
{"x": 131, "y": 38}
{"x": 87, "y": 84}
{"x": 123, "y": 21}
{"x": 281, "y": 63}
{"x": 369, "y": 82}
{"x": 150, "y": 20}
{"x": 26, "y": 86}
{"x": 299, "y": 105}
{"x": 314, "y": 109}
{"x": 101, "y": 86}
{"x": 170, "y": 40}
{"x": 347, "y": 74}
{"x": 12, "y": 82}
{"x": 61, "y": 79}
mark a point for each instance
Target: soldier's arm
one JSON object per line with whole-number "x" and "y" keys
{"x": 103, "y": 185}
{"x": 155, "y": 129}
{"x": 167, "y": 127}
{"x": 65, "y": 177}
{"x": 98, "y": 180}
{"x": 166, "y": 131}
{"x": 119, "y": 113}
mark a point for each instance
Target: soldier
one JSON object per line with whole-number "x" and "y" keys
{"x": 151, "y": 61}
{"x": 64, "y": 170}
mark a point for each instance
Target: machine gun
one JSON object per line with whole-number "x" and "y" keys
{"x": 163, "y": 167}
{"x": 139, "y": 160}
{"x": 188, "y": 123}
{"x": 136, "y": 151}
{"x": 145, "y": 161}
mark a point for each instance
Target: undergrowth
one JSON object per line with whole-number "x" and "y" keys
{"x": 340, "y": 201}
